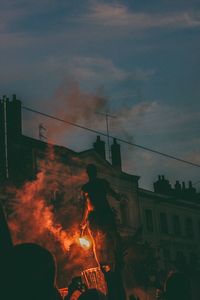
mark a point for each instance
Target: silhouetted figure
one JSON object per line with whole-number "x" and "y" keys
{"x": 133, "y": 297}
{"x": 27, "y": 271}
{"x": 75, "y": 288}
{"x": 100, "y": 219}
{"x": 97, "y": 210}
{"x": 99, "y": 216}
{"x": 177, "y": 286}
{"x": 32, "y": 273}
{"x": 92, "y": 294}
{"x": 5, "y": 249}
{"x": 5, "y": 236}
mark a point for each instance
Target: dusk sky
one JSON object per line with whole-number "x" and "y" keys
{"x": 139, "y": 60}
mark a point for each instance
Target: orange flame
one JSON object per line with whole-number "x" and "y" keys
{"x": 85, "y": 242}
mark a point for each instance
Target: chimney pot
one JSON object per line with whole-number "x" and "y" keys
{"x": 99, "y": 147}
{"x": 116, "y": 155}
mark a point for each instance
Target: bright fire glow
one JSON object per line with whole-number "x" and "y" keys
{"x": 84, "y": 242}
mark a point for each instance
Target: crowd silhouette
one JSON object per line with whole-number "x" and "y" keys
{"x": 28, "y": 271}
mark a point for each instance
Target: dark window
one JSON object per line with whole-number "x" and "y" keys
{"x": 124, "y": 214}
{"x": 180, "y": 259}
{"x": 167, "y": 254}
{"x": 176, "y": 225}
{"x": 189, "y": 228}
{"x": 199, "y": 227}
{"x": 149, "y": 220}
{"x": 193, "y": 260}
{"x": 163, "y": 223}
{"x": 167, "y": 258}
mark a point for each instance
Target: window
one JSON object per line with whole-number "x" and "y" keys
{"x": 176, "y": 225}
{"x": 124, "y": 214}
{"x": 163, "y": 223}
{"x": 149, "y": 220}
{"x": 189, "y": 228}
{"x": 180, "y": 259}
{"x": 193, "y": 260}
{"x": 199, "y": 228}
{"x": 166, "y": 254}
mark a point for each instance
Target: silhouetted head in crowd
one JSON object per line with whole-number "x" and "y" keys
{"x": 36, "y": 262}
{"x": 92, "y": 294}
{"x": 177, "y": 286}
{"x": 76, "y": 286}
{"x": 33, "y": 271}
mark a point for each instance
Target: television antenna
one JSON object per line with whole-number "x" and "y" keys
{"x": 107, "y": 116}
{"x": 42, "y": 132}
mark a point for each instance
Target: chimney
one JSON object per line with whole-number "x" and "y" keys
{"x": 10, "y": 115}
{"x": 15, "y": 117}
{"x": 177, "y": 187}
{"x": 116, "y": 155}
{"x": 162, "y": 186}
{"x": 191, "y": 189}
{"x": 10, "y": 133}
{"x": 183, "y": 186}
{"x": 99, "y": 147}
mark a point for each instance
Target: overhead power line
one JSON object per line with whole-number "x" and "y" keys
{"x": 114, "y": 137}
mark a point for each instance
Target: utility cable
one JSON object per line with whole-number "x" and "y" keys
{"x": 117, "y": 138}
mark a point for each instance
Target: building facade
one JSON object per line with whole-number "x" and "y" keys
{"x": 169, "y": 217}
{"x": 171, "y": 222}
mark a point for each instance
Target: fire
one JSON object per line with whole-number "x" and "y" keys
{"x": 85, "y": 242}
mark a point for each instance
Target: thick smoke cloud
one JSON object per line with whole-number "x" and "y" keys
{"x": 48, "y": 211}
{"x": 73, "y": 104}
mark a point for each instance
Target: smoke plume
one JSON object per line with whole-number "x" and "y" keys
{"x": 48, "y": 211}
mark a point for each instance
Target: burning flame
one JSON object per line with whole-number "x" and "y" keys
{"x": 85, "y": 242}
